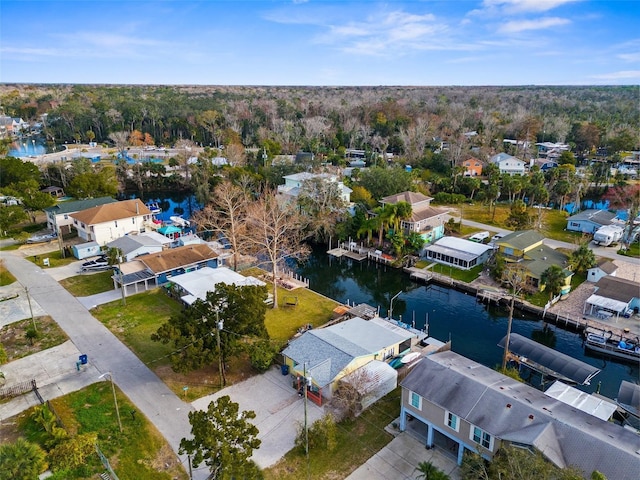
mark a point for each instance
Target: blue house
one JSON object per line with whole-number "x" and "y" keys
{"x": 588, "y": 221}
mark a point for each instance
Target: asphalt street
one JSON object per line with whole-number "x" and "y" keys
{"x": 107, "y": 354}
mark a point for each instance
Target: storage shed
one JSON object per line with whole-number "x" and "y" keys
{"x": 373, "y": 380}
{"x": 86, "y": 250}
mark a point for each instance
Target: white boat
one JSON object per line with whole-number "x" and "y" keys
{"x": 410, "y": 357}
{"x": 47, "y": 237}
{"x": 622, "y": 348}
{"x": 96, "y": 265}
{"x": 180, "y": 222}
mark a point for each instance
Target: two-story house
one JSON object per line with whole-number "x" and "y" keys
{"x": 105, "y": 223}
{"x": 59, "y": 216}
{"x": 472, "y": 167}
{"x": 425, "y": 219}
{"x": 458, "y": 405}
{"x": 527, "y": 248}
{"x": 508, "y": 164}
{"x": 294, "y": 183}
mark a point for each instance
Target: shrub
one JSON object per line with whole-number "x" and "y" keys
{"x": 73, "y": 452}
{"x": 262, "y": 354}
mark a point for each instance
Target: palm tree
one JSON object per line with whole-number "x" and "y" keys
{"x": 428, "y": 471}
{"x": 582, "y": 259}
{"x": 553, "y": 278}
{"x": 367, "y": 227}
{"x": 22, "y": 460}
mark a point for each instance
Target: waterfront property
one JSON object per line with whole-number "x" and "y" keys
{"x": 457, "y": 405}
{"x": 295, "y": 182}
{"x": 425, "y": 219}
{"x": 194, "y": 285}
{"x": 613, "y": 297}
{"x": 59, "y": 216}
{"x": 109, "y": 221}
{"x": 458, "y": 252}
{"x": 329, "y": 354}
{"x": 526, "y": 247}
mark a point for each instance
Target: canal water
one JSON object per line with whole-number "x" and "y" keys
{"x": 474, "y": 328}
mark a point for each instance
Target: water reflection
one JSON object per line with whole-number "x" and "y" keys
{"x": 474, "y": 329}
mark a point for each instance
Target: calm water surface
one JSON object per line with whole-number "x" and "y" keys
{"x": 473, "y": 328}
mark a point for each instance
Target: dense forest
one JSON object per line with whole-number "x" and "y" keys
{"x": 402, "y": 120}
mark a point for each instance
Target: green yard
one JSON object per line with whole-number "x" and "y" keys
{"x": 5, "y": 276}
{"x": 89, "y": 284}
{"x": 138, "y": 452}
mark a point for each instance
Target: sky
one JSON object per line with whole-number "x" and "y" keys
{"x": 321, "y": 42}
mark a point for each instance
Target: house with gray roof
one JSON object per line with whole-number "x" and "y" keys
{"x": 508, "y": 164}
{"x": 426, "y": 220}
{"x": 132, "y": 246}
{"x": 615, "y": 295}
{"x": 603, "y": 268}
{"x": 459, "y": 405}
{"x": 527, "y": 248}
{"x": 458, "y": 252}
{"x": 59, "y": 216}
{"x": 588, "y": 221}
{"x": 328, "y": 354}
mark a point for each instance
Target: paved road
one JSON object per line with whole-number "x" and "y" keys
{"x": 106, "y": 353}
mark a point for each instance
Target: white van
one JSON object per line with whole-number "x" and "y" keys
{"x": 479, "y": 237}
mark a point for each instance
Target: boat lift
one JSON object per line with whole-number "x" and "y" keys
{"x": 548, "y": 362}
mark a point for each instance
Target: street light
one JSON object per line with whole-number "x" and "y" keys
{"x": 115, "y": 400}
{"x": 391, "y": 304}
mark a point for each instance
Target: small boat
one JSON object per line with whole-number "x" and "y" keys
{"x": 410, "y": 357}
{"x": 97, "y": 265}
{"x": 180, "y": 222}
{"x": 47, "y": 237}
{"x": 622, "y": 348}
{"x": 395, "y": 362}
{"x": 154, "y": 207}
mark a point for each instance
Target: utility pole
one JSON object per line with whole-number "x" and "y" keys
{"x": 124, "y": 296}
{"x": 33, "y": 321}
{"x": 219, "y": 326}
{"x": 306, "y": 384}
{"x": 115, "y": 400}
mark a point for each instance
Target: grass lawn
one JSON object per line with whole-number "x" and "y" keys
{"x": 632, "y": 251}
{"x": 458, "y": 274}
{"x": 139, "y": 452}
{"x": 5, "y": 276}
{"x": 282, "y": 323}
{"x": 88, "y": 284}
{"x": 55, "y": 258}
{"x": 357, "y": 440}
{"x": 14, "y": 338}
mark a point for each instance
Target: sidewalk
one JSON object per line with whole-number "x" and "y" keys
{"x": 55, "y": 373}
{"x": 107, "y": 354}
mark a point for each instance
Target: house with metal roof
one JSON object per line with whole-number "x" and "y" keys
{"x": 328, "y": 354}
{"x": 59, "y": 216}
{"x": 588, "y": 221}
{"x": 458, "y": 252}
{"x": 105, "y": 223}
{"x": 458, "y": 405}
{"x": 527, "y": 248}
{"x": 195, "y": 285}
{"x": 426, "y": 220}
{"x": 132, "y": 246}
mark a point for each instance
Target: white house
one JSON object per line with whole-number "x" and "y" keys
{"x": 293, "y": 184}
{"x": 458, "y": 252}
{"x": 602, "y": 269}
{"x": 59, "y": 216}
{"x": 105, "y": 223}
{"x": 508, "y": 164}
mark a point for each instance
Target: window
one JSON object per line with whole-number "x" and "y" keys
{"x": 415, "y": 400}
{"x": 481, "y": 437}
{"x": 452, "y": 421}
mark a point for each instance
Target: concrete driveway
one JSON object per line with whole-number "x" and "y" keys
{"x": 279, "y": 412}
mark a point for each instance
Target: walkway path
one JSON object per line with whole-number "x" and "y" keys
{"x": 106, "y": 353}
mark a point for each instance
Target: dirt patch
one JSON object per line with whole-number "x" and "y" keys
{"x": 10, "y": 428}
{"x": 17, "y": 344}
{"x": 205, "y": 381}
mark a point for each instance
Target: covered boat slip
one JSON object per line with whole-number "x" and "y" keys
{"x": 629, "y": 398}
{"x": 549, "y": 362}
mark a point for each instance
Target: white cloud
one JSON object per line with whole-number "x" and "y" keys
{"x": 629, "y": 57}
{"x": 620, "y": 75}
{"x": 516, "y": 26}
{"x": 521, "y": 6}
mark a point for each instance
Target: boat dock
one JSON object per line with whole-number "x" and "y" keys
{"x": 359, "y": 253}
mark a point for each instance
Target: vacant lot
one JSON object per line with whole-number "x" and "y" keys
{"x": 19, "y": 343}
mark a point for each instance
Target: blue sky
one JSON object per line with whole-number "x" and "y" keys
{"x": 316, "y": 42}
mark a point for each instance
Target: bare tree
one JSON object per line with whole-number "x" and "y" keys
{"x": 352, "y": 390}
{"x": 121, "y": 139}
{"x": 275, "y": 231}
{"x": 226, "y": 215}
{"x": 320, "y": 199}
{"x": 515, "y": 277}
